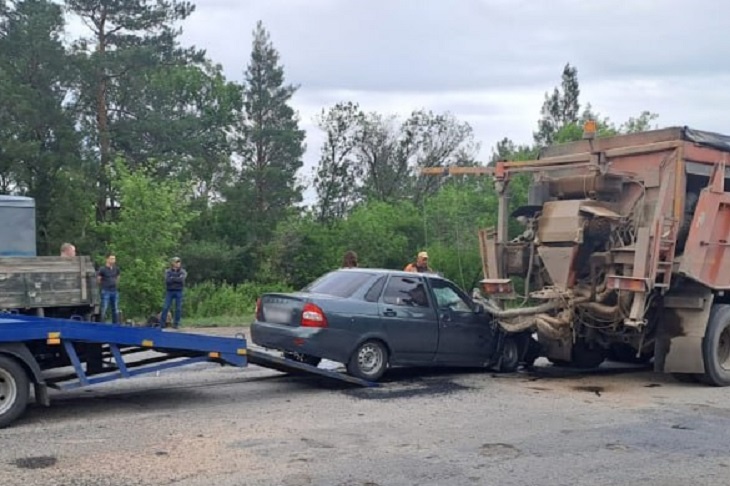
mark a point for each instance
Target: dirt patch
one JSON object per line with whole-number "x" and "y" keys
{"x": 499, "y": 451}
{"x": 590, "y": 389}
{"x": 39, "y": 462}
{"x": 408, "y": 390}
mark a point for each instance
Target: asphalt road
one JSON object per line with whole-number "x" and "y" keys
{"x": 224, "y": 426}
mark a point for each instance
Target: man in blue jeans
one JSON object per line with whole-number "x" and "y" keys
{"x": 174, "y": 284}
{"x": 108, "y": 278}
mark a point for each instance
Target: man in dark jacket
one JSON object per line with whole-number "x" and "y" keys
{"x": 174, "y": 284}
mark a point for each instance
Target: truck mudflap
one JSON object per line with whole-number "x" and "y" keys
{"x": 265, "y": 360}
{"x": 678, "y": 346}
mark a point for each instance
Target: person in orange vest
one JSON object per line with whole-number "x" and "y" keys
{"x": 420, "y": 265}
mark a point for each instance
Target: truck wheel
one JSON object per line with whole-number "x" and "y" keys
{"x": 510, "y": 359}
{"x": 14, "y": 390}
{"x": 716, "y": 346}
{"x": 369, "y": 361}
{"x": 303, "y": 358}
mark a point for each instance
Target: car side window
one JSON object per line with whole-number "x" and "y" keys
{"x": 449, "y": 296}
{"x": 406, "y": 291}
{"x": 373, "y": 294}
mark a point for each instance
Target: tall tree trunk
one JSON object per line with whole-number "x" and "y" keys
{"x": 102, "y": 119}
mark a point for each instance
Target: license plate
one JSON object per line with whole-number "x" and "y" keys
{"x": 281, "y": 316}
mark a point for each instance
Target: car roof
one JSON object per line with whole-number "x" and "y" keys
{"x": 390, "y": 271}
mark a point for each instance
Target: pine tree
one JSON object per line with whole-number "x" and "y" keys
{"x": 128, "y": 38}
{"x": 270, "y": 142}
{"x": 561, "y": 108}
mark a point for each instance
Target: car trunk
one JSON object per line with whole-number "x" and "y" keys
{"x": 283, "y": 309}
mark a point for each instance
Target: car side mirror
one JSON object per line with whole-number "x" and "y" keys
{"x": 478, "y": 309}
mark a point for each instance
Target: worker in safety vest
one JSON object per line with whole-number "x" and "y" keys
{"x": 421, "y": 264}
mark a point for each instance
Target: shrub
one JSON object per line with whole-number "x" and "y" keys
{"x": 218, "y": 300}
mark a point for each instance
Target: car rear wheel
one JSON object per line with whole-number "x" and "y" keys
{"x": 369, "y": 361}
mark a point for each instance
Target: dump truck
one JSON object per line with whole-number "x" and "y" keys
{"x": 623, "y": 251}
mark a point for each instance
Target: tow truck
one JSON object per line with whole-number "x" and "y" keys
{"x": 66, "y": 354}
{"x": 50, "y": 337}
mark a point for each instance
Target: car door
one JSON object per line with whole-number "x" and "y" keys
{"x": 465, "y": 336}
{"x": 409, "y": 320}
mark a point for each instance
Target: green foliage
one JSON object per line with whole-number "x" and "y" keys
{"x": 211, "y": 299}
{"x": 300, "y": 251}
{"x": 385, "y": 235}
{"x": 145, "y": 235}
{"x": 39, "y": 148}
{"x": 560, "y": 108}
{"x": 270, "y": 142}
{"x": 371, "y": 157}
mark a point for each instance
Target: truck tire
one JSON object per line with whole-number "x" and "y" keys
{"x": 716, "y": 346}
{"x": 14, "y": 390}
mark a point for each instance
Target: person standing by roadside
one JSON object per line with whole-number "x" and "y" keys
{"x": 349, "y": 260}
{"x": 174, "y": 284}
{"x": 68, "y": 250}
{"x": 108, "y": 278}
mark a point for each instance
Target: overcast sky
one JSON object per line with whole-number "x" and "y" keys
{"x": 489, "y": 62}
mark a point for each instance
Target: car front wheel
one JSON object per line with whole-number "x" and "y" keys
{"x": 369, "y": 361}
{"x": 510, "y": 356}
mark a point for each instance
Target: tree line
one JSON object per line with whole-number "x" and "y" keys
{"x": 132, "y": 142}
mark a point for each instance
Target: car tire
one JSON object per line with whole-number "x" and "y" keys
{"x": 716, "y": 346}
{"x": 303, "y": 358}
{"x": 14, "y": 390}
{"x": 369, "y": 361}
{"x": 510, "y": 358}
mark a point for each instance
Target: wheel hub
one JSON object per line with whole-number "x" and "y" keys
{"x": 8, "y": 391}
{"x": 369, "y": 359}
{"x": 723, "y": 349}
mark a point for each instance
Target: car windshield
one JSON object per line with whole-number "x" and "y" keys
{"x": 338, "y": 284}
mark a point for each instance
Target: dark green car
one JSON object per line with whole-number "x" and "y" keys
{"x": 370, "y": 319}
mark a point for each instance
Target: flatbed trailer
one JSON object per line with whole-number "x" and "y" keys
{"x": 36, "y": 351}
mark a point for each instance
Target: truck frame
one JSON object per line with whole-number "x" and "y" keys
{"x": 625, "y": 251}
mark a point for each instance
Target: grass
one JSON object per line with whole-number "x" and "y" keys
{"x": 221, "y": 321}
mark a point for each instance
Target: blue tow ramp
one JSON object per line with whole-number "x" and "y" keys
{"x": 266, "y": 360}
{"x": 118, "y": 341}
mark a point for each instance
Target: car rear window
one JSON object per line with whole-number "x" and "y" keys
{"x": 338, "y": 284}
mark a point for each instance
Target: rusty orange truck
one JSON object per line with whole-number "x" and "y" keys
{"x": 625, "y": 250}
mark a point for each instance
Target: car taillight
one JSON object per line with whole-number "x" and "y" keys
{"x": 259, "y": 315}
{"x": 312, "y": 316}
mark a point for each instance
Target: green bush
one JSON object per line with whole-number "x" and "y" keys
{"x": 224, "y": 300}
